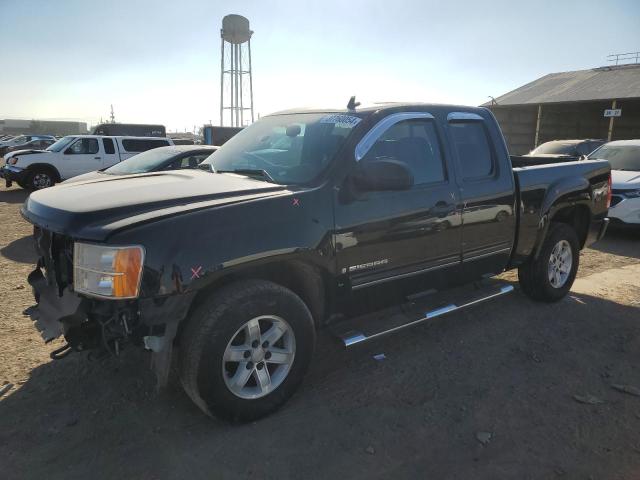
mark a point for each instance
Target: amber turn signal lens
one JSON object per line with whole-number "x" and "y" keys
{"x": 128, "y": 267}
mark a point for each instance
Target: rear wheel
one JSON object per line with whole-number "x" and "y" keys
{"x": 245, "y": 350}
{"x": 40, "y": 178}
{"x": 549, "y": 277}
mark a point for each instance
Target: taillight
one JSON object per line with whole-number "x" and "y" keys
{"x": 609, "y": 192}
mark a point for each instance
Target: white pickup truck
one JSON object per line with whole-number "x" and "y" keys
{"x": 70, "y": 156}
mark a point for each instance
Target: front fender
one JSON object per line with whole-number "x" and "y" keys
{"x": 191, "y": 251}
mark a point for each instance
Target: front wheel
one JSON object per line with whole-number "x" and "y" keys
{"x": 245, "y": 350}
{"x": 549, "y": 277}
{"x": 40, "y": 178}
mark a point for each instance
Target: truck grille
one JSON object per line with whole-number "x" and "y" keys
{"x": 56, "y": 257}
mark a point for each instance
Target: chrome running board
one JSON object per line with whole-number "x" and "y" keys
{"x": 365, "y": 328}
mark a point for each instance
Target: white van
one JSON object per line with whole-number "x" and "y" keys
{"x": 72, "y": 155}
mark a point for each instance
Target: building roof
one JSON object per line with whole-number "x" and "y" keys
{"x": 604, "y": 83}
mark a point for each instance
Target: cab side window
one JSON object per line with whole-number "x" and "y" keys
{"x": 142, "y": 145}
{"x": 83, "y": 146}
{"x": 415, "y": 143}
{"x": 108, "y": 146}
{"x": 471, "y": 143}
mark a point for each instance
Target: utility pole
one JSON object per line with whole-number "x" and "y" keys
{"x": 614, "y": 104}
{"x": 113, "y": 118}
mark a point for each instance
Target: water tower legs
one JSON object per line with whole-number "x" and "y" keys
{"x": 236, "y": 39}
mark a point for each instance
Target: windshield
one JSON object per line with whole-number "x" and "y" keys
{"x": 290, "y": 149}
{"x": 143, "y": 162}
{"x": 621, "y": 157}
{"x": 60, "y": 144}
{"x": 555, "y": 148}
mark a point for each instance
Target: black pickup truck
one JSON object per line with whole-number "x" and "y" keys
{"x": 291, "y": 226}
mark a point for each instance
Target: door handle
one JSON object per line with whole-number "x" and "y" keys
{"x": 97, "y": 158}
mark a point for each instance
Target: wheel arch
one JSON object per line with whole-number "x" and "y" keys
{"x": 45, "y": 166}
{"x": 576, "y": 216}
{"x": 566, "y": 201}
{"x": 304, "y": 279}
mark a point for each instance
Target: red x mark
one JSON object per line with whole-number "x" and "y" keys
{"x": 196, "y": 272}
{"x": 296, "y": 202}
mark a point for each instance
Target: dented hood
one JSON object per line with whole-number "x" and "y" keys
{"x": 93, "y": 209}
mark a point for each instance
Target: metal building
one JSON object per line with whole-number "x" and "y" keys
{"x": 42, "y": 127}
{"x": 599, "y": 103}
{"x": 236, "y": 82}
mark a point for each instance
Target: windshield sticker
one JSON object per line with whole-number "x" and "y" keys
{"x": 341, "y": 120}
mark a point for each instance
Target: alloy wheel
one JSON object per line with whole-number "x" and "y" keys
{"x": 560, "y": 263}
{"x": 259, "y": 357}
{"x": 41, "y": 180}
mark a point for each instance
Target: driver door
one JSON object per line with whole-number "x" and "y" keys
{"x": 82, "y": 156}
{"x": 389, "y": 235}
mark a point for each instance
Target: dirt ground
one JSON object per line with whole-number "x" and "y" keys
{"x": 483, "y": 394}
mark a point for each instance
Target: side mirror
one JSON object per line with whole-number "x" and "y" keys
{"x": 382, "y": 174}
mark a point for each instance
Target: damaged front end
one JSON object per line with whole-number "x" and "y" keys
{"x": 85, "y": 323}
{"x": 102, "y": 325}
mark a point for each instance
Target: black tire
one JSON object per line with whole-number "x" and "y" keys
{"x": 212, "y": 326}
{"x": 534, "y": 275}
{"x": 40, "y": 178}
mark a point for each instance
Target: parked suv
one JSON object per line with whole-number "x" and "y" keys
{"x": 33, "y": 145}
{"x": 22, "y": 140}
{"x": 624, "y": 158}
{"x": 569, "y": 149}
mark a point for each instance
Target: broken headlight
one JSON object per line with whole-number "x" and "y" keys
{"x": 107, "y": 271}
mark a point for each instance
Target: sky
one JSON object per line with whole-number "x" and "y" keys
{"x": 159, "y": 61}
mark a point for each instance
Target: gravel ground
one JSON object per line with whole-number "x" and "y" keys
{"x": 509, "y": 389}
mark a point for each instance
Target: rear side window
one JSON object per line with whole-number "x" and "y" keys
{"x": 142, "y": 145}
{"x": 473, "y": 149}
{"x": 108, "y": 146}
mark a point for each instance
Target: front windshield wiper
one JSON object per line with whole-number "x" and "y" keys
{"x": 250, "y": 172}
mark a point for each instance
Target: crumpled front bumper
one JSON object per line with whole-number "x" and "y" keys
{"x": 12, "y": 174}
{"x": 53, "y": 314}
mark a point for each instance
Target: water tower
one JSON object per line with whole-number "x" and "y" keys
{"x": 235, "y": 70}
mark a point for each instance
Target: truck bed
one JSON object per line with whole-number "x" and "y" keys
{"x": 535, "y": 194}
{"x": 529, "y": 161}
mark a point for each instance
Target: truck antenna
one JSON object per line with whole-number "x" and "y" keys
{"x": 351, "y": 106}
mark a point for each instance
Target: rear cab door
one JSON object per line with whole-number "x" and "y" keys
{"x": 487, "y": 190}
{"x": 109, "y": 156}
